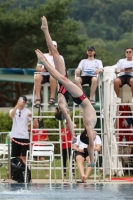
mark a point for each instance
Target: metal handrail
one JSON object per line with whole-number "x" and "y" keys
{"x": 9, "y": 154}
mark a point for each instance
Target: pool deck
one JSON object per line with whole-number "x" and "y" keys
{"x": 89, "y": 181}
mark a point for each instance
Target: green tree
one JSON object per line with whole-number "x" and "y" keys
{"x": 20, "y": 34}
{"x": 126, "y": 20}
{"x": 105, "y": 19}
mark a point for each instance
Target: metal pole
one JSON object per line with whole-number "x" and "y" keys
{"x": 9, "y": 158}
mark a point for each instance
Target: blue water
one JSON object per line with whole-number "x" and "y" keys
{"x": 66, "y": 191}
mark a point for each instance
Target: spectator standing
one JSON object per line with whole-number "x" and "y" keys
{"x": 19, "y": 132}
{"x": 66, "y": 144}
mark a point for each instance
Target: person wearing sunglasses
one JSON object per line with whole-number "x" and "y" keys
{"x": 19, "y": 132}
{"x": 124, "y": 69}
{"x": 87, "y": 71}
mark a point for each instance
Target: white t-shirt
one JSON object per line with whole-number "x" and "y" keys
{"x": 88, "y": 67}
{"x": 123, "y": 64}
{"x": 81, "y": 145}
{"x": 20, "y": 124}
{"x": 51, "y": 61}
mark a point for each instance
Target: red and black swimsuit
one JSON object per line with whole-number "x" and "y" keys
{"x": 78, "y": 100}
{"x": 64, "y": 91}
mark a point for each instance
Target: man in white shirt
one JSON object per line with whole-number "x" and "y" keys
{"x": 19, "y": 132}
{"x": 81, "y": 153}
{"x": 87, "y": 72}
{"x": 125, "y": 69}
{"x": 43, "y": 76}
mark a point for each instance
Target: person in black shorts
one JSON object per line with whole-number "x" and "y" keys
{"x": 19, "y": 132}
{"x": 42, "y": 76}
{"x": 124, "y": 69}
{"x": 87, "y": 71}
{"x": 81, "y": 153}
{"x": 89, "y": 113}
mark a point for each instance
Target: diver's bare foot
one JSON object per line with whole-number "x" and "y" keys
{"x": 44, "y": 25}
{"x": 83, "y": 179}
{"x": 41, "y": 57}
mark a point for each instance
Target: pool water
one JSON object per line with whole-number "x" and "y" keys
{"x": 66, "y": 191}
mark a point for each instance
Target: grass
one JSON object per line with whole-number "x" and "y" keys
{"x": 3, "y": 172}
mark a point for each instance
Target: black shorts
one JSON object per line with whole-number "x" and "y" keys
{"x": 84, "y": 155}
{"x": 45, "y": 79}
{"x": 78, "y": 100}
{"x": 86, "y": 80}
{"x": 19, "y": 150}
{"x": 125, "y": 79}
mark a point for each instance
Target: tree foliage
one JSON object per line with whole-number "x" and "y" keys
{"x": 20, "y": 34}
{"x": 107, "y": 19}
{"x": 74, "y": 24}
